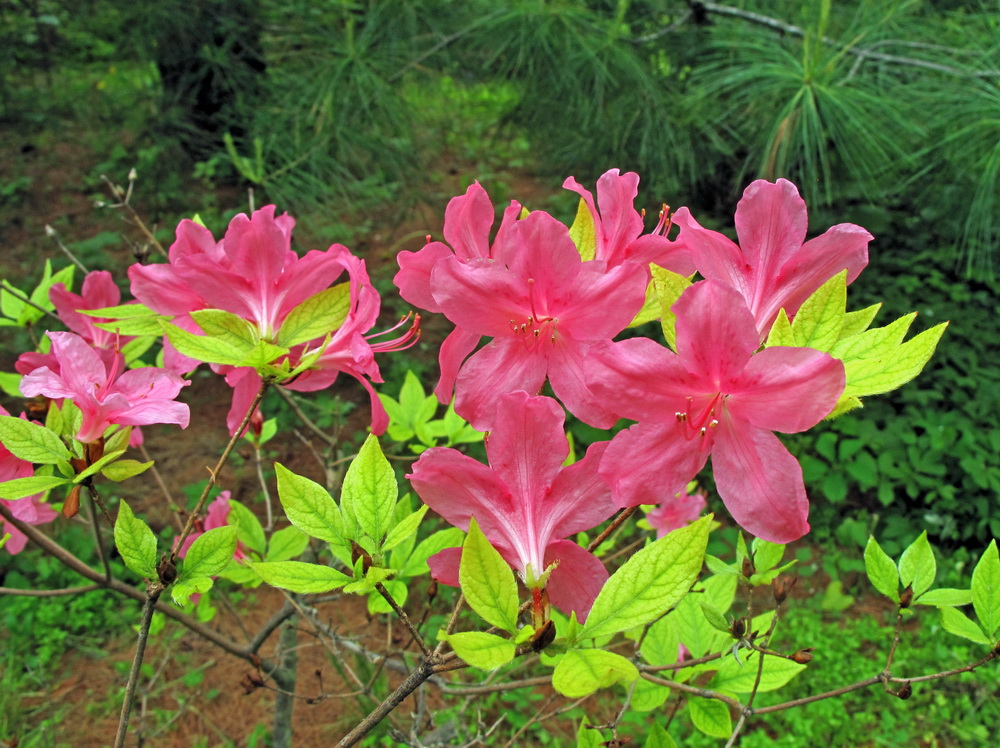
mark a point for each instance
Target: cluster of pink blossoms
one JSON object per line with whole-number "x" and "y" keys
{"x": 551, "y": 316}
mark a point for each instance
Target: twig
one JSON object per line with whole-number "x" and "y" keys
{"x": 214, "y": 473}
{"x": 49, "y": 593}
{"x": 265, "y": 489}
{"x": 387, "y": 596}
{"x": 306, "y": 421}
{"x": 175, "y": 508}
{"x": 153, "y": 592}
{"x": 65, "y": 250}
{"x": 413, "y": 682}
{"x": 97, "y": 535}
{"x": 452, "y": 622}
{"x": 617, "y": 522}
{"x": 119, "y": 194}
{"x": 22, "y": 298}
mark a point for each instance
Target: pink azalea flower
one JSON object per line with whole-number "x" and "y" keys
{"x": 772, "y": 268}
{"x": 216, "y": 516}
{"x": 547, "y": 312}
{"x": 715, "y": 395}
{"x": 30, "y": 509}
{"x": 525, "y": 501}
{"x": 105, "y": 394}
{"x": 97, "y": 292}
{"x": 677, "y": 511}
{"x": 618, "y": 226}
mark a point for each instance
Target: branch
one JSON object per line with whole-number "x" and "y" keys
{"x": 49, "y": 593}
{"x": 153, "y": 592}
{"x": 408, "y": 686}
{"x": 861, "y": 52}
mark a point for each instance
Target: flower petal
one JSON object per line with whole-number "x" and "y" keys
{"x": 575, "y": 582}
{"x": 467, "y": 223}
{"x": 579, "y": 499}
{"x": 414, "y": 277}
{"x": 771, "y": 223}
{"x": 716, "y": 334}
{"x": 504, "y": 365}
{"x": 444, "y": 566}
{"x": 787, "y": 389}
{"x": 760, "y": 482}
{"x": 454, "y": 350}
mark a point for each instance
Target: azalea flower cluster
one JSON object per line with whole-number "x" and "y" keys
{"x": 551, "y": 306}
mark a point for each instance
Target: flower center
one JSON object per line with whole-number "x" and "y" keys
{"x": 539, "y": 325}
{"x": 701, "y": 417}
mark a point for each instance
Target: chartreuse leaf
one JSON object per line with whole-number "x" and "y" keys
{"x": 378, "y": 604}
{"x": 248, "y": 528}
{"x": 650, "y": 308}
{"x": 669, "y": 287}
{"x": 182, "y": 589}
{"x": 580, "y": 672}
{"x": 227, "y": 327}
{"x": 31, "y": 442}
{"x": 855, "y": 323}
{"x": 106, "y": 459}
{"x": 202, "y": 347}
{"x": 482, "y": 650}
{"x": 18, "y": 488}
{"x": 407, "y": 527}
{"x": 135, "y": 542}
{"x": 872, "y": 376}
{"x": 487, "y": 581}
{"x": 946, "y": 596}
{"x": 659, "y": 738}
{"x": 128, "y": 319}
{"x": 309, "y": 506}
{"x": 881, "y": 570}
{"x": 845, "y": 404}
{"x": 986, "y": 590}
{"x": 370, "y": 490}
{"x": 298, "y": 576}
{"x": 820, "y": 318}
{"x": 587, "y": 738}
{"x": 210, "y": 553}
{"x": 766, "y": 555}
{"x": 651, "y": 582}
{"x": 125, "y": 469}
{"x": 872, "y": 343}
{"x": 261, "y": 356}
{"x": 365, "y": 582}
{"x": 781, "y": 332}
{"x": 711, "y": 717}
{"x": 647, "y": 696}
{"x": 715, "y": 619}
{"x": 956, "y": 622}
{"x": 286, "y": 543}
{"x": 732, "y": 676}
{"x": 917, "y": 566}
{"x": 583, "y": 232}
{"x": 316, "y": 316}
{"x": 416, "y": 562}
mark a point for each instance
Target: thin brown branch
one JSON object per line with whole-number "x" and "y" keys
{"x": 119, "y": 194}
{"x": 617, "y": 522}
{"x": 387, "y": 596}
{"x": 153, "y": 593}
{"x": 412, "y": 683}
{"x": 330, "y": 441}
{"x": 49, "y": 593}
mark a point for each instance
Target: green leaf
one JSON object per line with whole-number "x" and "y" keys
{"x": 32, "y": 442}
{"x": 318, "y": 315}
{"x": 10, "y": 383}
{"x": 945, "y": 596}
{"x": 18, "y": 488}
{"x": 248, "y": 528}
{"x": 895, "y": 367}
{"x": 416, "y": 562}
{"x": 309, "y": 506}
{"x": 659, "y": 738}
{"x": 370, "y": 490}
{"x": 881, "y": 570}
{"x": 587, "y": 738}
{"x": 487, "y": 581}
{"x": 227, "y": 327}
{"x": 182, "y": 589}
{"x": 917, "y": 566}
{"x": 378, "y": 604}
{"x": 125, "y": 469}
{"x": 106, "y": 459}
{"x": 766, "y": 555}
{"x": 651, "y": 582}
{"x": 956, "y": 622}
{"x": 482, "y": 650}
{"x": 731, "y": 676}
{"x": 404, "y": 529}
{"x": 261, "y": 356}
{"x": 650, "y": 308}
{"x": 857, "y": 322}
{"x": 781, "y": 332}
{"x": 873, "y": 343}
{"x": 986, "y": 590}
{"x": 647, "y": 696}
{"x": 202, "y": 347}
{"x": 583, "y": 233}
{"x": 711, "y": 717}
{"x": 286, "y": 543}
{"x": 820, "y": 318}
{"x": 669, "y": 287}
{"x": 209, "y": 553}
{"x": 582, "y": 671}
{"x": 135, "y": 542}
{"x": 128, "y": 319}
{"x": 715, "y": 619}
{"x": 299, "y": 576}
{"x": 364, "y": 583}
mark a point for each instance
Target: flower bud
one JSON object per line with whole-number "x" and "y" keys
{"x": 905, "y": 691}
{"x": 543, "y": 637}
{"x": 804, "y": 656}
{"x": 739, "y": 628}
{"x": 748, "y": 568}
{"x": 72, "y": 504}
{"x": 906, "y": 597}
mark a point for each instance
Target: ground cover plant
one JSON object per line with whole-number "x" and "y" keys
{"x": 687, "y": 630}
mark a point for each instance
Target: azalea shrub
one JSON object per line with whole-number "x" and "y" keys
{"x": 756, "y": 339}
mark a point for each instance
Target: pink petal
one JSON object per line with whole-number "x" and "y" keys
{"x": 639, "y": 379}
{"x": 651, "y": 462}
{"x": 716, "y": 334}
{"x": 307, "y": 276}
{"x": 715, "y": 255}
{"x": 257, "y": 248}
{"x": 541, "y": 253}
{"x": 600, "y": 304}
{"x": 570, "y": 368}
{"x": 454, "y": 350}
{"x": 771, "y": 223}
{"x": 17, "y": 540}
{"x": 482, "y": 296}
{"x": 218, "y": 512}
{"x": 620, "y": 221}
{"x": 579, "y": 498}
{"x": 161, "y": 289}
{"x": 414, "y": 277}
{"x": 658, "y": 250}
{"x": 760, "y": 482}
{"x": 575, "y": 582}
{"x": 527, "y": 446}
{"x": 787, "y": 389}
{"x": 444, "y": 566}
{"x": 467, "y": 222}
{"x": 504, "y": 365}
{"x": 246, "y": 384}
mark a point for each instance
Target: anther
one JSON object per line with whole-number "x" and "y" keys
{"x": 681, "y": 417}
